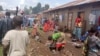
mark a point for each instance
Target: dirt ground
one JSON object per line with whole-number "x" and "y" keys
{"x": 36, "y": 48}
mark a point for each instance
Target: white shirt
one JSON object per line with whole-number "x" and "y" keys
{"x": 18, "y": 40}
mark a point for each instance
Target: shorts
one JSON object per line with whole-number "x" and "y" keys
{"x": 59, "y": 46}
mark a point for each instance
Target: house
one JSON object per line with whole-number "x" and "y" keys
{"x": 87, "y": 9}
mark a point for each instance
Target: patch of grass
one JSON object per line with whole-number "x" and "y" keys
{"x": 29, "y": 29}
{"x": 1, "y": 51}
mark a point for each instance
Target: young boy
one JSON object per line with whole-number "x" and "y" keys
{"x": 15, "y": 41}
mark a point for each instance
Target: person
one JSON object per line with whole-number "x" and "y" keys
{"x": 84, "y": 36}
{"x": 35, "y": 28}
{"x": 51, "y": 23}
{"x": 1, "y": 23}
{"x": 46, "y": 26}
{"x": 55, "y": 27}
{"x": 78, "y": 28}
{"x": 16, "y": 40}
{"x": 25, "y": 21}
{"x": 6, "y": 25}
{"x": 31, "y": 21}
{"x": 58, "y": 40}
{"x": 92, "y": 44}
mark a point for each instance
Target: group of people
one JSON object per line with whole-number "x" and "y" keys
{"x": 5, "y": 25}
{"x": 48, "y": 25}
{"x": 13, "y": 38}
{"x": 91, "y": 38}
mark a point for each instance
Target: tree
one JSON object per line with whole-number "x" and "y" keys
{"x": 1, "y": 8}
{"x": 30, "y": 9}
{"x": 43, "y": 8}
{"x": 37, "y": 9}
{"x": 46, "y": 6}
{"x": 26, "y": 10}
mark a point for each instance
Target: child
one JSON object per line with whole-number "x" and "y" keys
{"x": 35, "y": 28}
{"x": 58, "y": 40}
{"x": 15, "y": 41}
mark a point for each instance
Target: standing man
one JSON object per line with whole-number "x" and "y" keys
{"x": 78, "y": 27}
{"x": 1, "y": 23}
{"x": 6, "y": 25}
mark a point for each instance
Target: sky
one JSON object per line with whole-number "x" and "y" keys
{"x": 11, "y": 4}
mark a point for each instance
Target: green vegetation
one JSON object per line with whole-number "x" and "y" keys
{"x": 1, "y": 8}
{"x": 1, "y": 51}
{"x": 37, "y": 9}
{"x": 29, "y": 30}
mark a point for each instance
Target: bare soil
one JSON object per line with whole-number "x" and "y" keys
{"x": 36, "y": 48}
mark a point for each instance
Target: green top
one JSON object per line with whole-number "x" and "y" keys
{"x": 56, "y": 36}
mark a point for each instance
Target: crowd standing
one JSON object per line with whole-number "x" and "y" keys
{"x": 15, "y": 38}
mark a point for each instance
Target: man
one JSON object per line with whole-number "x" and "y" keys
{"x": 1, "y": 23}
{"x": 15, "y": 41}
{"x": 7, "y": 24}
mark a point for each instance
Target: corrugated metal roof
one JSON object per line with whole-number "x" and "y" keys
{"x": 74, "y": 3}
{"x": 87, "y": 1}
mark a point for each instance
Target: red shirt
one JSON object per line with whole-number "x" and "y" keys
{"x": 77, "y": 21}
{"x": 99, "y": 21}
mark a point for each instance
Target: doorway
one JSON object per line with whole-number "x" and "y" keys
{"x": 69, "y": 21}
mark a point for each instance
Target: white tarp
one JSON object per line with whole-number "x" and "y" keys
{"x": 92, "y": 19}
{"x": 60, "y": 18}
